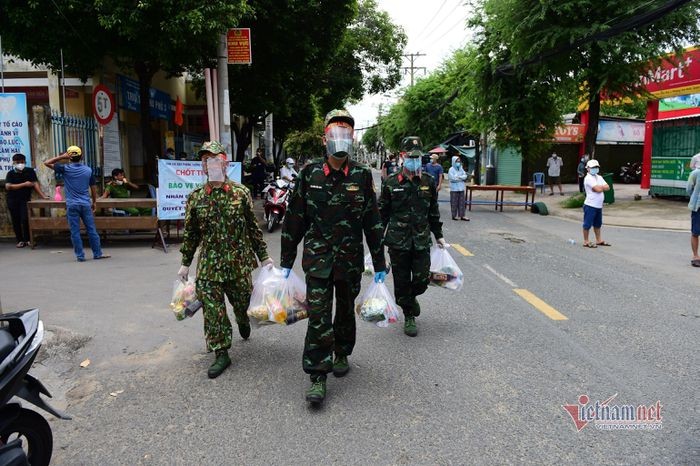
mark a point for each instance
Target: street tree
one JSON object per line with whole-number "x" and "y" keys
{"x": 145, "y": 36}
{"x": 308, "y": 57}
{"x": 603, "y": 54}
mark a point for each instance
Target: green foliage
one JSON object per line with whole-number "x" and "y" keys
{"x": 574, "y": 202}
{"x": 370, "y": 138}
{"x": 307, "y": 144}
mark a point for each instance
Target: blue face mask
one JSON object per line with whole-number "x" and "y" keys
{"x": 458, "y": 165}
{"x": 412, "y": 164}
{"x": 595, "y": 170}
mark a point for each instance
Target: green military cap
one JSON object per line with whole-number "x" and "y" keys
{"x": 415, "y": 153}
{"x": 213, "y": 147}
{"x": 339, "y": 115}
{"x": 411, "y": 143}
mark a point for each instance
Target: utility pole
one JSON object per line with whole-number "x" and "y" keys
{"x": 411, "y": 69}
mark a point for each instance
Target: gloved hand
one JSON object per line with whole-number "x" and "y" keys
{"x": 379, "y": 277}
{"x": 267, "y": 262}
{"x": 442, "y": 244}
{"x": 286, "y": 272}
{"x": 183, "y": 273}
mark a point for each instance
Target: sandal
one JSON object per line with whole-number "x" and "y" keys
{"x": 466, "y": 219}
{"x": 695, "y": 262}
{"x": 21, "y": 244}
{"x": 603, "y": 243}
{"x": 591, "y": 245}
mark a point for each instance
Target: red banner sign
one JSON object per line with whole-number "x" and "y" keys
{"x": 571, "y": 133}
{"x": 675, "y": 76}
{"x": 239, "y": 47}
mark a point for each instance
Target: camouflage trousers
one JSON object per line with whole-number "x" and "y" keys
{"x": 324, "y": 334}
{"x": 411, "y": 269}
{"x": 217, "y": 326}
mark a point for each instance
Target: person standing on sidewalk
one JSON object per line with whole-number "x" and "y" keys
{"x": 554, "y": 164}
{"x": 409, "y": 211}
{"x": 81, "y": 196}
{"x": 581, "y": 172}
{"x": 435, "y": 170}
{"x": 19, "y": 184}
{"x": 258, "y": 170}
{"x": 595, "y": 186}
{"x": 332, "y": 205}
{"x": 693, "y": 189}
{"x": 219, "y": 219}
{"x": 457, "y": 178}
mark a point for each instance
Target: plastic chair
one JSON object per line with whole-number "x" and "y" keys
{"x": 538, "y": 180}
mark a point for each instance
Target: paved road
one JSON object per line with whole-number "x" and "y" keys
{"x": 484, "y": 382}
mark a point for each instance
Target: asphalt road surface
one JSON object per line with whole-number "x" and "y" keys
{"x": 485, "y": 381}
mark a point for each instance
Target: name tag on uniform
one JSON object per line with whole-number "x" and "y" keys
{"x": 396, "y": 190}
{"x": 315, "y": 186}
{"x": 353, "y": 188}
{"x": 424, "y": 188}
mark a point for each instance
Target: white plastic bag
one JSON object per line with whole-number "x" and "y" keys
{"x": 444, "y": 271}
{"x": 377, "y": 306}
{"x": 276, "y": 299}
{"x": 183, "y": 295}
{"x": 369, "y": 266}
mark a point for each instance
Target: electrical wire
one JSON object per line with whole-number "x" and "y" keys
{"x": 449, "y": 15}
{"x": 427, "y": 25}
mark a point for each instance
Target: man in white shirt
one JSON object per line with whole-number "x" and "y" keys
{"x": 288, "y": 173}
{"x": 554, "y": 164}
{"x": 595, "y": 186}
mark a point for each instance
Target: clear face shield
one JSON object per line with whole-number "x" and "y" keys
{"x": 215, "y": 167}
{"x": 339, "y": 140}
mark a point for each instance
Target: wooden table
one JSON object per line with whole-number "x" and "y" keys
{"x": 44, "y": 222}
{"x": 500, "y": 190}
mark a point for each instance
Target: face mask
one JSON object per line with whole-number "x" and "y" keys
{"x": 19, "y": 167}
{"x": 339, "y": 141}
{"x": 120, "y": 182}
{"x": 595, "y": 170}
{"x": 215, "y": 169}
{"x": 290, "y": 165}
{"x": 412, "y": 164}
{"x": 458, "y": 165}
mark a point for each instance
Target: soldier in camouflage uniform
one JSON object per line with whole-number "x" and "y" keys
{"x": 220, "y": 220}
{"x": 409, "y": 210}
{"x": 332, "y": 205}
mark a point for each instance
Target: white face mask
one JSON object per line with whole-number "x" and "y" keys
{"x": 19, "y": 167}
{"x": 290, "y": 165}
{"x": 119, "y": 182}
{"x": 215, "y": 169}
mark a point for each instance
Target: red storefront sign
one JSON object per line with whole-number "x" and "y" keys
{"x": 675, "y": 76}
{"x": 239, "y": 47}
{"x": 571, "y": 133}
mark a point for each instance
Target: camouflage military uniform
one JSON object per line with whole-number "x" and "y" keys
{"x": 222, "y": 222}
{"x": 409, "y": 211}
{"x": 117, "y": 191}
{"x": 330, "y": 209}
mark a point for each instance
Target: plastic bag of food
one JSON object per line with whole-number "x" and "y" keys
{"x": 378, "y": 306}
{"x": 444, "y": 271}
{"x": 276, "y": 299}
{"x": 369, "y": 266}
{"x": 183, "y": 297}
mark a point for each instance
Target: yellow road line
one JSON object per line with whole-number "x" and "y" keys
{"x": 540, "y": 305}
{"x": 462, "y": 250}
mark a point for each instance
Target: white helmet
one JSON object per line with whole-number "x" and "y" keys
{"x": 290, "y": 161}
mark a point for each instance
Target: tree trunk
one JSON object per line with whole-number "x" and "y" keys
{"x": 593, "y": 117}
{"x": 244, "y": 136}
{"x": 145, "y": 74}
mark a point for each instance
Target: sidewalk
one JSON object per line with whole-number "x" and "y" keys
{"x": 667, "y": 214}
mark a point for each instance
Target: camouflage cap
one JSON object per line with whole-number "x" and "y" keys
{"x": 213, "y": 147}
{"x": 411, "y": 143}
{"x": 339, "y": 115}
{"x": 415, "y": 153}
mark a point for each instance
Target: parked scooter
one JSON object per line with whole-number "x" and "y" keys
{"x": 631, "y": 173}
{"x": 276, "y": 200}
{"x": 25, "y": 436}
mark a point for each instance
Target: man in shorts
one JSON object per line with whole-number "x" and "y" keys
{"x": 595, "y": 186}
{"x": 693, "y": 190}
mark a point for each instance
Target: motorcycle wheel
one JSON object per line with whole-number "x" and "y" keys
{"x": 271, "y": 222}
{"x": 35, "y": 432}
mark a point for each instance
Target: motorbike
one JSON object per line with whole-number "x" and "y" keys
{"x": 631, "y": 173}
{"x": 276, "y": 200}
{"x": 25, "y": 436}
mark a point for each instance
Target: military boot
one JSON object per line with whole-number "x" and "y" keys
{"x": 317, "y": 392}
{"x": 340, "y": 366}
{"x": 220, "y": 365}
{"x": 409, "y": 327}
{"x": 244, "y": 329}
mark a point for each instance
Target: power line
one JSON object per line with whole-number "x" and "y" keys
{"x": 448, "y": 30}
{"x": 411, "y": 69}
{"x": 431, "y": 19}
{"x": 448, "y": 16}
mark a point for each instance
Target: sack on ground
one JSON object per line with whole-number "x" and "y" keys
{"x": 444, "y": 271}
{"x": 183, "y": 297}
{"x": 276, "y": 299}
{"x": 369, "y": 266}
{"x": 378, "y": 306}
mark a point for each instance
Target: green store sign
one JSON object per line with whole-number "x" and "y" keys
{"x": 670, "y": 168}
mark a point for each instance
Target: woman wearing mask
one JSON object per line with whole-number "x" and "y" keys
{"x": 457, "y": 178}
